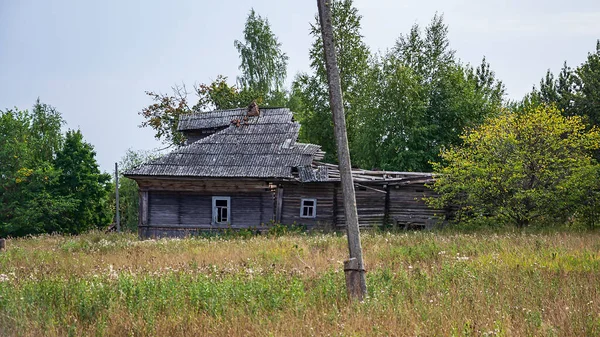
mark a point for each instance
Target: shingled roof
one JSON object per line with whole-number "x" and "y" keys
{"x": 220, "y": 118}
{"x": 264, "y": 146}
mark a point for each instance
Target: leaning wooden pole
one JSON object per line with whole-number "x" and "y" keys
{"x": 117, "y": 214}
{"x": 354, "y": 268}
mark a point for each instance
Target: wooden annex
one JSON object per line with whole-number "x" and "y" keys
{"x": 243, "y": 168}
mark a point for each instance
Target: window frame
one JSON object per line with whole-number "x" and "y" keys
{"x": 215, "y": 211}
{"x": 314, "y": 207}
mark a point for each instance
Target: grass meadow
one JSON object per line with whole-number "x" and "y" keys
{"x": 420, "y": 284}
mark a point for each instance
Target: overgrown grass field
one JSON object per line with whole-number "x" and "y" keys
{"x": 426, "y": 284}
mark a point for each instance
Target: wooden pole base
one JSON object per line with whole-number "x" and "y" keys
{"x": 2, "y": 244}
{"x": 356, "y": 284}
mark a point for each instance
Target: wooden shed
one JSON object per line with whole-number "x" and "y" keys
{"x": 244, "y": 169}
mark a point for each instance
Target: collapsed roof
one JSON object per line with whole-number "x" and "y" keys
{"x": 240, "y": 145}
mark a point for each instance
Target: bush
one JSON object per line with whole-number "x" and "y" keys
{"x": 520, "y": 168}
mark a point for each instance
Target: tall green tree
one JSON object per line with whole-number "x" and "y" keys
{"x": 420, "y": 98}
{"x": 521, "y": 168}
{"x": 29, "y": 203}
{"x": 588, "y": 101}
{"x": 263, "y": 63}
{"x": 81, "y": 180}
{"x": 309, "y": 91}
{"x": 576, "y": 92}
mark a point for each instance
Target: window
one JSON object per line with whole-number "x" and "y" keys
{"x": 308, "y": 209}
{"x": 221, "y": 210}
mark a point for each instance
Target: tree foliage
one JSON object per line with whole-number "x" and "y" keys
{"x": 425, "y": 98}
{"x": 33, "y": 195}
{"x": 128, "y": 188}
{"x": 310, "y": 91}
{"x": 576, "y": 92}
{"x": 519, "y": 168}
{"x": 401, "y": 107}
{"x": 263, "y": 63}
{"x": 80, "y": 179}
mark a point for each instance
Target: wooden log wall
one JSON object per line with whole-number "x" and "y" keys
{"x": 292, "y": 201}
{"x": 407, "y": 207}
{"x": 401, "y": 205}
{"x": 181, "y": 209}
{"x": 370, "y": 205}
{"x": 178, "y": 208}
{"x": 203, "y": 185}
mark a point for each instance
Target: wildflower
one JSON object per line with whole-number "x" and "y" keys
{"x": 4, "y": 278}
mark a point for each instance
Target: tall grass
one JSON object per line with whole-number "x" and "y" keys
{"x": 509, "y": 284}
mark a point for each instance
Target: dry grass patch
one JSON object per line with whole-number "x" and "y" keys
{"x": 427, "y": 284}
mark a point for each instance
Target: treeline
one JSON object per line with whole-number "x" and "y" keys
{"x": 413, "y": 107}
{"x": 401, "y": 106}
{"x": 417, "y": 107}
{"x": 49, "y": 181}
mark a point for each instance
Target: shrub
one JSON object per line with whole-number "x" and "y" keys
{"x": 522, "y": 167}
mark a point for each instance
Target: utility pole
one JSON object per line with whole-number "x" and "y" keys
{"x": 354, "y": 267}
{"x": 118, "y": 217}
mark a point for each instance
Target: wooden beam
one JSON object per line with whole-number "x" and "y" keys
{"x": 117, "y": 213}
{"x": 354, "y": 268}
{"x": 386, "y": 209}
{"x": 369, "y": 188}
{"x": 279, "y": 205}
{"x": 143, "y": 209}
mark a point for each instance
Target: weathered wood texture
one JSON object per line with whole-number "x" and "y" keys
{"x": 203, "y": 185}
{"x": 341, "y": 139}
{"x": 179, "y": 208}
{"x": 292, "y": 201}
{"x": 370, "y": 206}
{"x": 409, "y": 210}
{"x": 377, "y": 205}
{"x": 191, "y": 136}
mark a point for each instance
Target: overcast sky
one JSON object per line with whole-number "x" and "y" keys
{"x": 93, "y": 60}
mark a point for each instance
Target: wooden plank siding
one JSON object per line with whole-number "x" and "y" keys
{"x": 292, "y": 201}
{"x": 370, "y": 205}
{"x": 171, "y": 207}
{"x": 408, "y": 208}
{"x": 185, "y": 209}
{"x": 182, "y": 207}
{"x": 377, "y": 205}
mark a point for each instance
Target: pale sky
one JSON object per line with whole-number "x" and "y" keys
{"x": 93, "y": 60}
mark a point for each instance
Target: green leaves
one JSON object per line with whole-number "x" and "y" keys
{"x": 576, "y": 92}
{"x": 520, "y": 168}
{"x": 352, "y": 57}
{"x": 38, "y": 193}
{"x": 81, "y": 180}
{"x": 263, "y": 63}
{"x": 401, "y": 107}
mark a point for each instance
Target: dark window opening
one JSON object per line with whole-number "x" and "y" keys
{"x": 308, "y": 208}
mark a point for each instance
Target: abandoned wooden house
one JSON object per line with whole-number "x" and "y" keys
{"x": 243, "y": 168}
